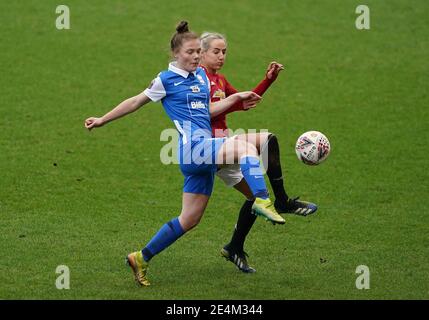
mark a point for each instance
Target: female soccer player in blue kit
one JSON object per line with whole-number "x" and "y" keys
{"x": 185, "y": 94}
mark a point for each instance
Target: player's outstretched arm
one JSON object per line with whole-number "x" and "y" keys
{"x": 249, "y": 100}
{"x": 125, "y": 107}
{"x": 271, "y": 75}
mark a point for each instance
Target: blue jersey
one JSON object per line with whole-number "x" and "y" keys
{"x": 186, "y": 99}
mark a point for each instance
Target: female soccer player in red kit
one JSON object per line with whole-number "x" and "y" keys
{"x": 213, "y": 55}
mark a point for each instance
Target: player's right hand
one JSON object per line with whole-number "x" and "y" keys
{"x": 93, "y": 123}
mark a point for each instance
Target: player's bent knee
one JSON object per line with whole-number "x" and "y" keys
{"x": 246, "y": 149}
{"x": 189, "y": 221}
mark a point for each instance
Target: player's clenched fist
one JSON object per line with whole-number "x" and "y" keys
{"x": 273, "y": 70}
{"x": 93, "y": 123}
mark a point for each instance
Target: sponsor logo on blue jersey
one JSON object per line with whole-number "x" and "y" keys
{"x": 197, "y": 105}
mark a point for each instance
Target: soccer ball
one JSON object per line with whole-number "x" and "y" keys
{"x": 312, "y": 148}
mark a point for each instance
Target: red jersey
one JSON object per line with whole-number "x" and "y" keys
{"x": 220, "y": 88}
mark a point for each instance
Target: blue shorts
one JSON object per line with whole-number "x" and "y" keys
{"x": 198, "y": 165}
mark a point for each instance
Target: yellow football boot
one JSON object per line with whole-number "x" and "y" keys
{"x": 139, "y": 266}
{"x": 266, "y": 209}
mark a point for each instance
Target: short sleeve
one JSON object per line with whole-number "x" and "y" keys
{"x": 156, "y": 90}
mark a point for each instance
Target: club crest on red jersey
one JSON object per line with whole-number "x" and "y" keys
{"x": 219, "y": 94}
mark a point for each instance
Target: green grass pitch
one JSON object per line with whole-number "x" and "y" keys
{"x": 69, "y": 197}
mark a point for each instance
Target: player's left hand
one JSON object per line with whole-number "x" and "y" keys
{"x": 273, "y": 70}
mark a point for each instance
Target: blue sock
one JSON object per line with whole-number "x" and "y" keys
{"x": 254, "y": 177}
{"x": 169, "y": 232}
